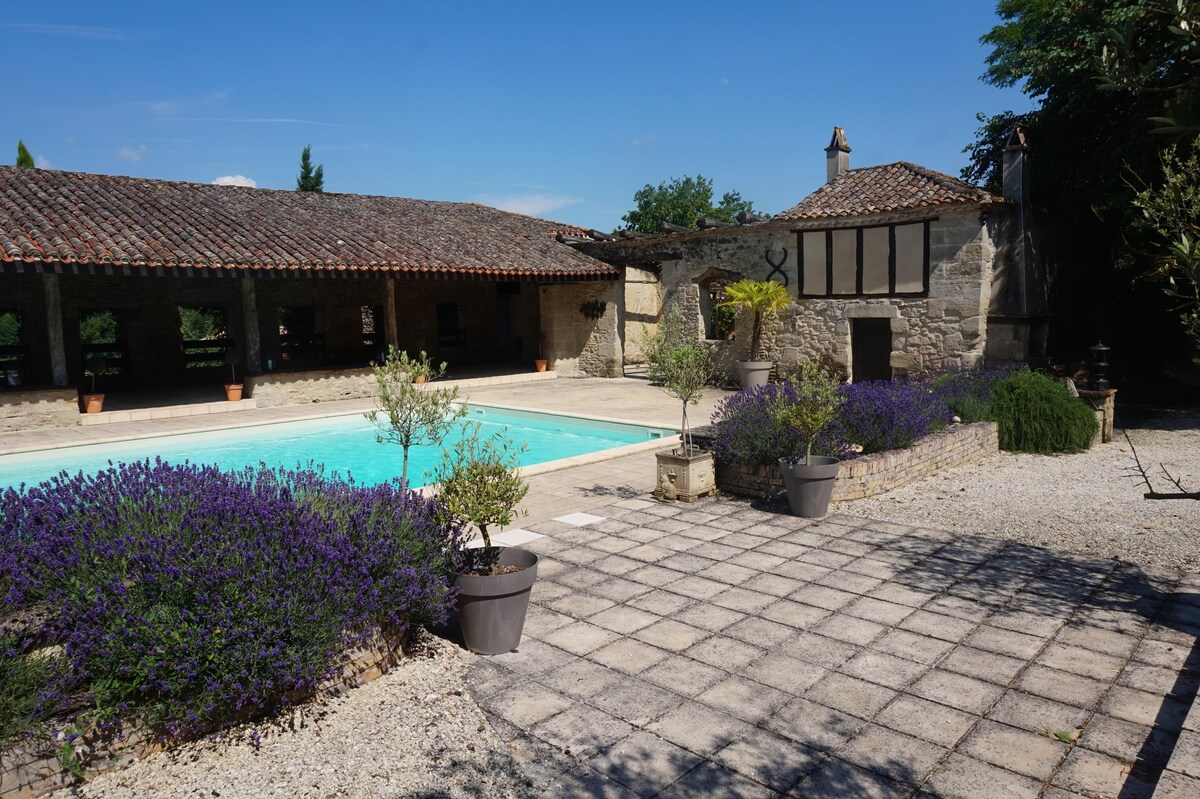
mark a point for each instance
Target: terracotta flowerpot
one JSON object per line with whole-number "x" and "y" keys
{"x": 492, "y": 607}
{"x": 93, "y": 403}
{"x": 420, "y": 380}
{"x": 540, "y": 364}
{"x": 233, "y": 392}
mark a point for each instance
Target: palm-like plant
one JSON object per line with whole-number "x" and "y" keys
{"x": 762, "y": 297}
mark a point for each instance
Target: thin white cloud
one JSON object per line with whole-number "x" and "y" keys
{"x": 42, "y": 162}
{"x": 647, "y": 138}
{"x": 163, "y": 107}
{"x": 725, "y": 81}
{"x": 529, "y": 204}
{"x": 133, "y": 154}
{"x": 70, "y": 31}
{"x": 236, "y": 180}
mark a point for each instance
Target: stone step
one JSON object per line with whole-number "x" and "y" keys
{"x": 166, "y": 412}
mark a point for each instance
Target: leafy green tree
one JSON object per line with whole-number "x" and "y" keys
{"x": 310, "y": 179}
{"x": 814, "y": 408}
{"x": 10, "y": 328}
{"x": 24, "y": 159}
{"x": 1172, "y": 209}
{"x": 681, "y": 366}
{"x": 409, "y": 412}
{"x": 1090, "y": 138}
{"x": 479, "y": 484}
{"x": 682, "y": 201}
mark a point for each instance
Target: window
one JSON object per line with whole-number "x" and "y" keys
{"x": 451, "y": 326}
{"x": 301, "y": 332}
{"x": 885, "y": 260}
{"x": 100, "y": 339}
{"x": 14, "y": 354}
{"x": 205, "y": 336}
{"x": 372, "y": 325}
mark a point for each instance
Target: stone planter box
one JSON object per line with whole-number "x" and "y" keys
{"x": 32, "y": 768}
{"x": 868, "y": 475}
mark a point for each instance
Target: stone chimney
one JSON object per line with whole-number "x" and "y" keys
{"x": 837, "y": 155}
{"x": 1014, "y": 176}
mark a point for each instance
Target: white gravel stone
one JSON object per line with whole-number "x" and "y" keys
{"x": 1090, "y": 503}
{"x": 380, "y": 740}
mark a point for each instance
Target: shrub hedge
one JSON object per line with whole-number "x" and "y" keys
{"x": 191, "y": 597}
{"x": 1038, "y": 414}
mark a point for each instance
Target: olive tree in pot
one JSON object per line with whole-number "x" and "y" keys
{"x": 809, "y": 481}
{"x": 763, "y": 298}
{"x": 233, "y": 389}
{"x": 479, "y": 486}
{"x": 680, "y": 364}
{"x": 94, "y": 402}
{"x": 407, "y": 414}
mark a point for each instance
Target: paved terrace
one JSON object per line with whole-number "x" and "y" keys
{"x": 720, "y": 649}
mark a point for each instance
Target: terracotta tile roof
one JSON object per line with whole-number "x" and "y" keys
{"x": 48, "y": 216}
{"x": 883, "y": 189}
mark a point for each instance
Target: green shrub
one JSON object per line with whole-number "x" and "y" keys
{"x": 1037, "y": 414}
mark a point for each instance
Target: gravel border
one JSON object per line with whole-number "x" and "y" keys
{"x": 414, "y": 732}
{"x": 1090, "y": 503}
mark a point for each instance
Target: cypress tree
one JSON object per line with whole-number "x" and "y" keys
{"x": 310, "y": 179}
{"x": 24, "y": 159}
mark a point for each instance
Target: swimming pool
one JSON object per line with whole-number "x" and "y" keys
{"x": 345, "y": 444}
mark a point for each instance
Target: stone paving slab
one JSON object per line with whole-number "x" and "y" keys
{"x": 728, "y": 649}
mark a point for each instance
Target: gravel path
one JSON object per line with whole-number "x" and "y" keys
{"x": 1089, "y": 503}
{"x": 414, "y": 732}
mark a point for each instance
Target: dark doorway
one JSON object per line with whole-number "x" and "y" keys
{"x": 871, "y": 349}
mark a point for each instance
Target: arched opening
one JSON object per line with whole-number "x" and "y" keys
{"x": 717, "y": 320}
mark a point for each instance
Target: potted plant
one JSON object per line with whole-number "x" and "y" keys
{"x": 680, "y": 365}
{"x": 540, "y": 363}
{"x": 809, "y": 482}
{"x": 763, "y": 298}
{"x": 479, "y": 486}
{"x": 94, "y": 402}
{"x": 233, "y": 389}
{"x": 407, "y": 415}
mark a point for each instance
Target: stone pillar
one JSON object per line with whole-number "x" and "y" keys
{"x": 54, "y": 329}
{"x": 389, "y": 314}
{"x": 253, "y": 347}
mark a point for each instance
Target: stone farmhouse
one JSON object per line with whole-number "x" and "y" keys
{"x": 311, "y": 288}
{"x": 895, "y": 270}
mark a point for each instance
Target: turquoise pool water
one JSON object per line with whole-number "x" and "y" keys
{"x": 345, "y": 444}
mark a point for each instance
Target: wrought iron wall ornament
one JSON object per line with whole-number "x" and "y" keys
{"x": 593, "y": 309}
{"x": 777, "y": 268}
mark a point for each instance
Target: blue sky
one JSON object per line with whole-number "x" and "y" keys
{"x": 562, "y": 110}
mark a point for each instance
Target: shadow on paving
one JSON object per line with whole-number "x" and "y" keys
{"x": 927, "y": 665}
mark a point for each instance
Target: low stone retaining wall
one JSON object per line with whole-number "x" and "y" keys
{"x": 270, "y": 389}
{"x": 26, "y": 409}
{"x": 34, "y": 768}
{"x": 870, "y": 474}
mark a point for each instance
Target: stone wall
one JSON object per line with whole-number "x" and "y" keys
{"x": 873, "y": 474}
{"x": 643, "y": 304}
{"x": 575, "y": 344}
{"x": 945, "y": 329}
{"x": 317, "y": 385}
{"x": 32, "y": 768}
{"x": 32, "y": 408}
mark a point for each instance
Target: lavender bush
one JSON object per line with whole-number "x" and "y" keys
{"x": 747, "y": 430}
{"x": 193, "y": 597}
{"x": 882, "y": 415}
{"x": 968, "y": 392}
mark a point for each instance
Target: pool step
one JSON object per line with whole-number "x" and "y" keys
{"x": 166, "y": 412}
